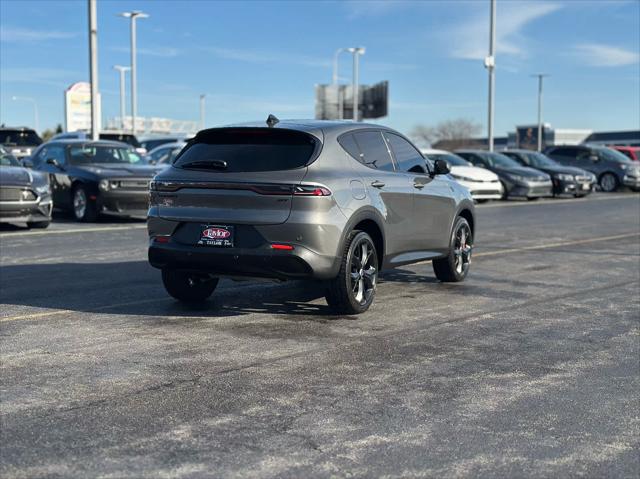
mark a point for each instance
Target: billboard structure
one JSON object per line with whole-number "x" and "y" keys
{"x": 335, "y": 102}
{"x": 527, "y": 136}
{"x": 77, "y": 107}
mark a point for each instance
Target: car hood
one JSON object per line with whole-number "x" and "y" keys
{"x": 566, "y": 170}
{"x": 118, "y": 170}
{"x": 475, "y": 173}
{"x": 524, "y": 171}
{"x": 15, "y": 175}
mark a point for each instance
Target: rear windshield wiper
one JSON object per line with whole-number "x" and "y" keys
{"x": 213, "y": 164}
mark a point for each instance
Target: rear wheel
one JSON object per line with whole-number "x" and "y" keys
{"x": 608, "y": 182}
{"x": 38, "y": 224}
{"x": 456, "y": 265}
{"x": 353, "y": 290}
{"x": 188, "y": 287}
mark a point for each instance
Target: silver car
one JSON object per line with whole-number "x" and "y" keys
{"x": 331, "y": 201}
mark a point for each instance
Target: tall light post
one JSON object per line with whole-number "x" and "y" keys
{"x": 540, "y": 76}
{"x": 133, "y": 16}
{"x": 122, "y": 71}
{"x": 202, "y": 105}
{"x": 334, "y": 80}
{"x": 35, "y": 108}
{"x": 93, "y": 68}
{"x": 490, "y": 65}
{"x": 356, "y": 52}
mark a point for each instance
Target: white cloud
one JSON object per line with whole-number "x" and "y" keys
{"x": 26, "y": 35}
{"x": 470, "y": 40}
{"x": 599, "y": 55}
{"x": 256, "y": 56}
{"x": 362, "y": 8}
{"x": 152, "y": 51}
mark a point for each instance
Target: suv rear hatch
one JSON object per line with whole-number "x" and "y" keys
{"x": 236, "y": 176}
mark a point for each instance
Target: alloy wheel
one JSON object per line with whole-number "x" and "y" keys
{"x": 79, "y": 203}
{"x": 463, "y": 246}
{"x": 364, "y": 272}
{"x": 608, "y": 182}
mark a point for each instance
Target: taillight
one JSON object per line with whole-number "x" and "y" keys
{"x": 161, "y": 239}
{"x": 282, "y": 247}
{"x": 311, "y": 190}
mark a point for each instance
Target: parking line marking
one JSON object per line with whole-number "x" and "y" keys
{"x": 550, "y": 201}
{"x": 81, "y": 230}
{"x": 482, "y": 254}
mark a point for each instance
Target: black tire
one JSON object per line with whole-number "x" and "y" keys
{"x": 505, "y": 192}
{"x": 340, "y": 293}
{"x": 482, "y": 200}
{"x": 38, "y": 224}
{"x": 448, "y": 269}
{"x": 88, "y": 213}
{"x": 536, "y": 198}
{"x": 608, "y": 182}
{"x": 188, "y": 287}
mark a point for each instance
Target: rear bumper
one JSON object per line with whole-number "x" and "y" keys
{"x": 260, "y": 262}
{"x": 572, "y": 187}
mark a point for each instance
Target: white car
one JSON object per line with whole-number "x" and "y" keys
{"x": 483, "y": 184}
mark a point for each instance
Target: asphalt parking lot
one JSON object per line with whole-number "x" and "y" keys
{"x": 530, "y": 368}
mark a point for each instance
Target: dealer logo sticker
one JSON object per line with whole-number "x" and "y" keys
{"x": 213, "y": 235}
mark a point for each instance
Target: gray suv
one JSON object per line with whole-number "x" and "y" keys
{"x": 331, "y": 201}
{"x": 612, "y": 168}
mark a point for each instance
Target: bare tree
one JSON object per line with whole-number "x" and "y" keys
{"x": 454, "y": 133}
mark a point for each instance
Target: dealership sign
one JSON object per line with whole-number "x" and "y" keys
{"x": 77, "y": 107}
{"x": 335, "y": 102}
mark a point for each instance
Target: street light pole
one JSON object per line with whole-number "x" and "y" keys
{"x": 133, "y": 16}
{"x": 202, "y": 105}
{"x": 122, "y": 70}
{"x": 490, "y": 65}
{"x": 356, "y": 52}
{"x": 35, "y": 108}
{"x": 540, "y": 76}
{"x": 93, "y": 67}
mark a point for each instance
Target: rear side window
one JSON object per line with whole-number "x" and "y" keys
{"x": 565, "y": 152}
{"x": 407, "y": 157}
{"x": 249, "y": 150}
{"x": 372, "y": 150}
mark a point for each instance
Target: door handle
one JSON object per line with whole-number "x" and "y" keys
{"x": 419, "y": 186}
{"x": 377, "y": 184}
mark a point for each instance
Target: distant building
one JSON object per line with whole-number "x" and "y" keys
{"x": 621, "y": 138}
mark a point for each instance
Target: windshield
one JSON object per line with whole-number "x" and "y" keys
{"x": 613, "y": 155}
{"x": 19, "y": 138}
{"x": 249, "y": 150}
{"x": 8, "y": 160}
{"x": 453, "y": 160}
{"x": 538, "y": 160}
{"x": 500, "y": 160}
{"x": 88, "y": 154}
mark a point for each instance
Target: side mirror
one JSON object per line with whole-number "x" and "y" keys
{"x": 54, "y": 162}
{"x": 27, "y": 163}
{"x": 441, "y": 167}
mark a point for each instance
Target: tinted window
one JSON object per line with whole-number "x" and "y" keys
{"x": 612, "y": 155}
{"x": 19, "y": 138}
{"x": 129, "y": 139}
{"x": 497, "y": 159}
{"x": 151, "y": 144}
{"x": 407, "y": 157}
{"x": 349, "y": 144}
{"x": 56, "y": 152}
{"x": 565, "y": 152}
{"x": 373, "y": 150}
{"x": 249, "y": 150}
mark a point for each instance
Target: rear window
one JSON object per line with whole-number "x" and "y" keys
{"x": 124, "y": 138}
{"x": 249, "y": 150}
{"x": 19, "y": 138}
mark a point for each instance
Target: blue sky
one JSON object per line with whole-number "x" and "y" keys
{"x": 259, "y": 57}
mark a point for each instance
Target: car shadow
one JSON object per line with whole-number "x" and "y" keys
{"x": 135, "y": 288}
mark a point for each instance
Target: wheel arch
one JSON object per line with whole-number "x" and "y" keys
{"x": 369, "y": 222}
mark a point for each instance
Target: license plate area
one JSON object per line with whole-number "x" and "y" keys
{"x": 217, "y": 236}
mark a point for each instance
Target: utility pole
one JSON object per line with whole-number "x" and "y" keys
{"x": 93, "y": 67}
{"x": 133, "y": 16}
{"x": 490, "y": 65}
{"x": 356, "y": 52}
{"x": 122, "y": 70}
{"x": 540, "y": 76}
{"x": 202, "y": 100}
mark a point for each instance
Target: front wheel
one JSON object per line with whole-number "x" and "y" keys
{"x": 353, "y": 290}
{"x": 608, "y": 182}
{"x": 83, "y": 209}
{"x": 188, "y": 287}
{"x": 455, "y": 266}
